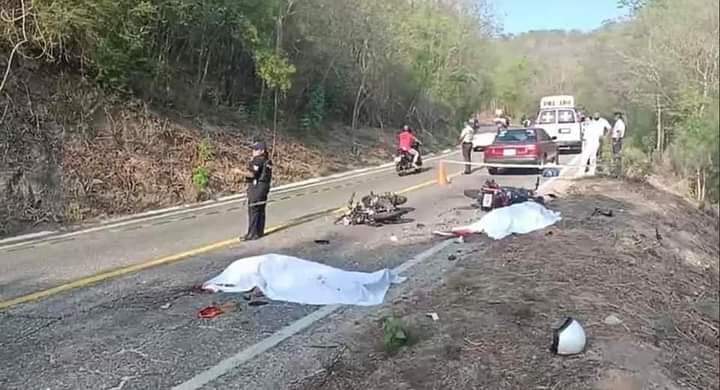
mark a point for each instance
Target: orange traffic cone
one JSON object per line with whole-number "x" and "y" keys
{"x": 442, "y": 178}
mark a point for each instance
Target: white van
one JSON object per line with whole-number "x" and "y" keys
{"x": 558, "y": 117}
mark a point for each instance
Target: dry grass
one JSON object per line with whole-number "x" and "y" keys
{"x": 138, "y": 161}
{"x": 653, "y": 264}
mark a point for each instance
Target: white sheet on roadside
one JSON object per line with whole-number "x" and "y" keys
{"x": 520, "y": 218}
{"x": 290, "y": 279}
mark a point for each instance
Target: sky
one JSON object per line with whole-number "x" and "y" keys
{"x": 524, "y": 15}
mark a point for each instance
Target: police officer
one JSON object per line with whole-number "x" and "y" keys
{"x": 258, "y": 177}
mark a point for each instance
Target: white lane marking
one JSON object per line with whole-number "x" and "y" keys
{"x": 285, "y": 333}
{"x": 184, "y": 209}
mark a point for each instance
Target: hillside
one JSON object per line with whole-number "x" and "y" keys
{"x": 75, "y": 154}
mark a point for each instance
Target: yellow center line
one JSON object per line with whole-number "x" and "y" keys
{"x": 125, "y": 270}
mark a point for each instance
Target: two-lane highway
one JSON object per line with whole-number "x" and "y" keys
{"x": 139, "y": 330}
{"x": 55, "y": 261}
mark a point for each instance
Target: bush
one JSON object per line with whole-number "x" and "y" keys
{"x": 636, "y": 164}
{"x": 201, "y": 178}
{"x": 694, "y": 155}
{"x": 395, "y": 334}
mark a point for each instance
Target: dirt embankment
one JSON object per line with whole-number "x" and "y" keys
{"x": 643, "y": 282}
{"x": 69, "y": 154}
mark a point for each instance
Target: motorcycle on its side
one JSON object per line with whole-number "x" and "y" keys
{"x": 373, "y": 210}
{"x": 404, "y": 162}
{"x": 492, "y": 195}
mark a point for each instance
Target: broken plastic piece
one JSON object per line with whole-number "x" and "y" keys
{"x": 210, "y": 312}
{"x": 604, "y": 212}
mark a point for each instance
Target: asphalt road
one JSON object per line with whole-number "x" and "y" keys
{"x": 140, "y": 330}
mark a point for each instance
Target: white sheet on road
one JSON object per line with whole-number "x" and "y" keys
{"x": 520, "y": 218}
{"x": 290, "y": 279}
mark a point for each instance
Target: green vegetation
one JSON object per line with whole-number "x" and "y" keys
{"x": 300, "y": 62}
{"x": 659, "y": 67}
{"x": 201, "y": 173}
{"x": 395, "y": 334}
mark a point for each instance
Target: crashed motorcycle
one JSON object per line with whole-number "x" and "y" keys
{"x": 493, "y": 196}
{"x": 403, "y": 161}
{"x": 374, "y": 210}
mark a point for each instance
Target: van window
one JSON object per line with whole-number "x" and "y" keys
{"x": 566, "y": 116}
{"x": 546, "y": 117}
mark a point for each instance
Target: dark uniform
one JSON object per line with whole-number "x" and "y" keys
{"x": 258, "y": 188}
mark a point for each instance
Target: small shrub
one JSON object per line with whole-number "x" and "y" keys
{"x": 636, "y": 164}
{"x": 204, "y": 151}
{"x": 395, "y": 334}
{"x": 201, "y": 178}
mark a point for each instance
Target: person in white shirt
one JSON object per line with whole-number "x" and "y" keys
{"x": 605, "y": 127}
{"x": 618, "y": 133}
{"x": 591, "y": 143}
{"x": 465, "y": 140}
{"x": 602, "y": 122}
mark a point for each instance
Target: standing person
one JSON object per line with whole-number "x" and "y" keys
{"x": 603, "y": 124}
{"x": 465, "y": 140}
{"x": 591, "y": 143}
{"x": 618, "y": 133}
{"x": 526, "y": 121}
{"x": 604, "y": 127}
{"x": 258, "y": 177}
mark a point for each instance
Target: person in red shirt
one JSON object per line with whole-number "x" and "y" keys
{"x": 406, "y": 141}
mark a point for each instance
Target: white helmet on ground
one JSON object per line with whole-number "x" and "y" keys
{"x": 569, "y": 339}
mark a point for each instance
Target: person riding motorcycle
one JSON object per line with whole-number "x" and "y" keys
{"x": 407, "y": 142}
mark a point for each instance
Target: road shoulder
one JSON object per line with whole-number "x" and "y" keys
{"x": 642, "y": 281}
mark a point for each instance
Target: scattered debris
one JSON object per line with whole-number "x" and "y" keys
{"x": 165, "y": 306}
{"x": 198, "y": 289}
{"x": 569, "y": 338}
{"x": 210, "y": 312}
{"x": 374, "y": 210}
{"x": 433, "y": 315}
{"x": 258, "y": 302}
{"x": 460, "y": 240}
{"x": 603, "y": 212}
{"x": 612, "y": 320}
{"x": 216, "y": 310}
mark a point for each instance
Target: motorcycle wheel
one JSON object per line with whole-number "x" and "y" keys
{"x": 397, "y": 200}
